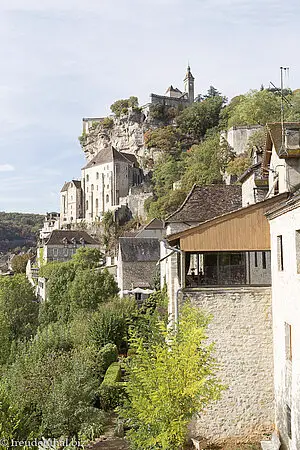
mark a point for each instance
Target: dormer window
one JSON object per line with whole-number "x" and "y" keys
{"x": 82, "y": 241}
{"x": 73, "y": 240}
{"x": 65, "y": 241}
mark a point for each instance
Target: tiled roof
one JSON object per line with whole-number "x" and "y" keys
{"x": 132, "y": 158}
{"x": 67, "y": 184}
{"x": 106, "y": 155}
{"x": 206, "y": 202}
{"x": 249, "y": 171}
{"x": 135, "y": 249}
{"x": 60, "y": 237}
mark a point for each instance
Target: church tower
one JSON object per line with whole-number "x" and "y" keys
{"x": 189, "y": 85}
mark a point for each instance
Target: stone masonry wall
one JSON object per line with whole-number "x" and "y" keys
{"x": 242, "y": 331}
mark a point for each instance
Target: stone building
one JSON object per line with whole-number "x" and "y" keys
{"x": 174, "y": 96}
{"x": 284, "y": 221}
{"x": 71, "y": 202}
{"x": 238, "y": 136}
{"x": 255, "y": 183}
{"x": 223, "y": 265}
{"x": 105, "y": 179}
{"x": 136, "y": 265}
{"x": 62, "y": 244}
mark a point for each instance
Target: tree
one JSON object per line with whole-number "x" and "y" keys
{"x": 19, "y": 263}
{"x": 162, "y": 207}
{"x": 90, "y": 288}
{"x": 239, "y": 165}
{"x": 169, "y": 382}
{"x": 167, "y": 170}
{"x": 255, "y": 108}
{"x": 87, "y": 258}
{"x": 166, "y": 139}
{"x": 212, "y": 92}
{"x": 18, "y": 306}
{"x": 121, "y": 106}
{"x": 206, "y": 162}
{"x": 198, "y": 118}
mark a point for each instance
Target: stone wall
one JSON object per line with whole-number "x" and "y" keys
{"x": 242, "y": 331}
{"x": 237, "y": 137}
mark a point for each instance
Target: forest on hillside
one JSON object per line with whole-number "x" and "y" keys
{"x": 19, "y": 230}
{"x": 190, "y": 144}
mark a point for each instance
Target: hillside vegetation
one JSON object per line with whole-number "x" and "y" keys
{"x": 18, "y": 230}
{"x": 191, "y": 150}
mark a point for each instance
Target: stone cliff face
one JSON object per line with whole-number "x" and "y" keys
{"x": 125, "y": 133}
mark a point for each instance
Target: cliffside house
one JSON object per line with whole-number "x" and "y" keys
{"x": 51, "y": 222}
{"x": 62, "y": 244}
{"x": 137, "y": 263}
{"x": 106, "y": 178}
{"x": 71, "y": 208}
{"x": 224, "y": 266}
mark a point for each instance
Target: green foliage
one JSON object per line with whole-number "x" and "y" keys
{"x": 198, "y": 118}
{"x": 110, "y": 324}
{"x": 167, "y": 139}
{"x": 90, "y": 288}
{"x": 239, "y": 165}
{"x": 121, "y": 106}
{"x": 18, "y": 306}
{"x": 164, "y": 113}
{"x": 19, "y": 263}
{"x": 19, "y": 230}
{"x": 167, "y": 170}
{"x": 108, "y": 123}
{"x": 255, "y": 108}
{"x": 169, "y": 382}
{"x": 257, "y": 139}
{"x": 106, "y": 356}
{"x": 82, "y": 138}
{"x": 166, "y": 205}
{"x": 205, "y": 162}
{"x": 111, "y": 392}
{"x": 113, "y": 374}
{"x": 87, "y": 258}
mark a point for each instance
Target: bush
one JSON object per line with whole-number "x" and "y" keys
{"x": 106, "y": 356}
{"x": 112, "y": 390}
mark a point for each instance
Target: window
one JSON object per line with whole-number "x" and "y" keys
{"x": 87, "y": 205}
{"x": 288, "y": 341}
{"x": 97, "y": 175}
{"x": 66, "y": 253}
{"x": 264, "y": 260}
{"x": 279, "y": 253}
{"x": 107, "y": 198}
{"x": 97, "y": 203}
{"x": 255, "y": 259}
{"x": 55, "y": 252}
{"x": 92, "y": 187}
{"x": 289, "y": 421}
{"x": 87, "y": 178}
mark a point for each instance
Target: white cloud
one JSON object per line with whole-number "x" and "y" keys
{"x": 6, "y": 168}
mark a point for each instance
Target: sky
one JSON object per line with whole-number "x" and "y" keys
{"x": 62, "y": 60}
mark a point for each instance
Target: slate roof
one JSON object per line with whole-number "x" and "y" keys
{"x": 135, "y": 249}
{"x": 206, "y": 202}
{"x": 60, "y": 237}
{"x": 132, "y": 158}
{"x": 154, "y": 224}
{"x": 68, "y": 183}
{"x": 106, "y": 155}
{"x": 249, "y": 171}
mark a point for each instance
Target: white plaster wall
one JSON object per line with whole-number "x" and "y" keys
{"x": 237, "y": 137}
{"x": 248, "y": 186}
{"x": 241, "y": 328}
{"x": 277, "y": 168}
{"x": 286, "y": 308}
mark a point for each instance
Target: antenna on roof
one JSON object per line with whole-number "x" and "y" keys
{"x": 284, "y": 72}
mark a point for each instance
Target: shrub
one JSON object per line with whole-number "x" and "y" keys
{"x": 106, "y": 356}
{"x": 112, "y": 390}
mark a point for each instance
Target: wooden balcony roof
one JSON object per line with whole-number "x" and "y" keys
{"x": 246, "y": 229}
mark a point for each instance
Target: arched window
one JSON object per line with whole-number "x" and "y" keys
{"x": 87, "y": 178}
{"x": 92, "y": 187}
{"x": 97, "y": 176}
{"x": 107, "y": 198}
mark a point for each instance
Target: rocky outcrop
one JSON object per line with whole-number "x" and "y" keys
{"x": 125, "y": 133}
